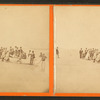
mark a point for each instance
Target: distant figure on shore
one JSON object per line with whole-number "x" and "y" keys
{"x": 7, "y": 58}
{"x": 40, "y": 54}
{"x": 20, "y": 55}
{"x": 81, "y": 53}
{"x": 43, "y": 58}
{"x": 86, "y": 51}
{"x": 57, "y": 52}
{"x": 32, "y": 57}
{"x": 20, "y": 58}
{"x": 29, "y": 53}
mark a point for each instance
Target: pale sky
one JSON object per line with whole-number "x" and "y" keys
{"x": 77, "y": 26}
{"x": 26, "y": 26}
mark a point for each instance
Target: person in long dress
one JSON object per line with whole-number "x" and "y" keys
{"x": 95, "y": 56}
{"x": 98, "y": 57}
{"x": 85, "y": 52}
{"x": 3, "y": 55}
{"x": 20, "y": 58}
{"x": 81, "y": 53}
{"x": 7, "y": 56}
{"x": 43, "y": 58}
{"x": 32, "y": 57}
{"x": 87, "y": 57}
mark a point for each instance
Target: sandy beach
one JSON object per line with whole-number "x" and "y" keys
{"x": 75, "y": 75}
{"x": 24, "y": 28}
{"x": 23, "y": 77}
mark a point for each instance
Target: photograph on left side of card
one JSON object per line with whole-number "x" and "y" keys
{"x": 24, "y": 49}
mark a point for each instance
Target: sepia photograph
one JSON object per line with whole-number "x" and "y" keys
{"x": 24, "y": 49}
{"x": 77, "y": 49}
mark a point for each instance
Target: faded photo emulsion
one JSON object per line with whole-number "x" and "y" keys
{"x": 24, "y": 49}
{"x": 77, "y": 49}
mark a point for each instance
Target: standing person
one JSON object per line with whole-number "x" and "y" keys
{"x": 1, "y": 50}
{"x": 3, "y": 55}
{"x": 24, "y": 55}
{"x": 20, "y": 58}
{"x": 15, "y": 51}
{"x": 20, "y": 55}
{"x": 95, "y": 56}
{"x": 40, "y": 57}
{"x": 18, "y": 52}
{"x": 57, "y": 52}
{"x": 32, "y": 57}
{"x": 81, "y": 53}
{"x": 7, "y": 56}
{"x": 90, "y": 54}
{"x": 21, "y": 50}
{"x": 40, "y": 54}
{"x": 28, "y": 56}
{"x": 86, "y": 51}
{"x": 29, "y": 53}
{"x": 11, "y": 51}
{"x": 43, "y": 58}
{"x": 93, "y": 51}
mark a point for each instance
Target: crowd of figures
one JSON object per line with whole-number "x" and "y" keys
{"x": 19, "y": 54}
{"x": 90, "y": 54}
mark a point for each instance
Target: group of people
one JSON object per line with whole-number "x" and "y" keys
{"x": 17, "y": 52}
{"x": 90, "y": 54}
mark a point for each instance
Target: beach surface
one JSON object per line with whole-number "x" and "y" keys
{"x": 75, "y": 75}
{"x": 15, "y": 77}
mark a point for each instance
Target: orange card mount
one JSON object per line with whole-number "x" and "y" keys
{"x": 50, "y": 93}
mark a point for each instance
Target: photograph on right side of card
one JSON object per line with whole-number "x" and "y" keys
{"x": 77, "y": 49}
